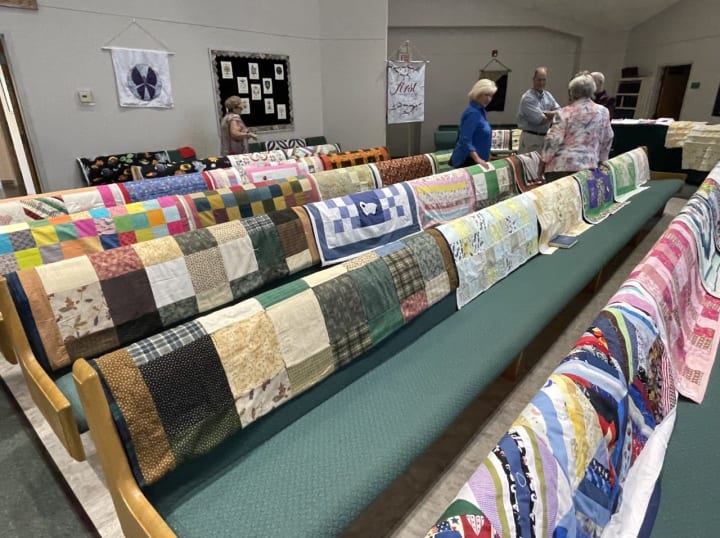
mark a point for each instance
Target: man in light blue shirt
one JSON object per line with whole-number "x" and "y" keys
{"x": 536, "y": 112}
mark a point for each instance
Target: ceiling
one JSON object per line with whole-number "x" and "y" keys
{"x": 611, "y": 14}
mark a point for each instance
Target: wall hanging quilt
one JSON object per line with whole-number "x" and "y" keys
{"x": 403, "y": 169}
{"x": 491, "y": 243}
{"x": 702, "y": 148}
{"x": 559, "y": 210}
{"x": 91, "y": 304}
{"x": 354, "y": 158}
{"x": 628, "y": 171}
{"x": 346, "y": 226}
{"x": 596, "y": 188}
{"x": 444, "y": 197}
{"x": 229, "y": 368}
{"x": 142, "y": 77}
{"x": 343, "y": 181}
{"x": 492, "y": 184}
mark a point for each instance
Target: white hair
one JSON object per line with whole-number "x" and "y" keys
{"x": 581, "y": 86}
{"x": 599, "y": 79}
{"x": 484, "y": 86}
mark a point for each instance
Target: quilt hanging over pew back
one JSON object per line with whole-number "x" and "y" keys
{"x": 224, "y": 370}
{"x": 91, "y": 304}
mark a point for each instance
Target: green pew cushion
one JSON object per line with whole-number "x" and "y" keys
{"x": 67, "y": 386}
{"x": 310, "y": 468}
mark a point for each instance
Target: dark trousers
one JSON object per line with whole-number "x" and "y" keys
{"x": 552, "y": 176}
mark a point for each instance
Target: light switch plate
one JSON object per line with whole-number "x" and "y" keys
{"x": 86, "y": 97}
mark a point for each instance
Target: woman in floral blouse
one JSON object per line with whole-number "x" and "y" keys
{"x": 580, "y": 136}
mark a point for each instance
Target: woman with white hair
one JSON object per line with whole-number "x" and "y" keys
{"x": 580, "y": 136}
{"x": 475, "y": 136}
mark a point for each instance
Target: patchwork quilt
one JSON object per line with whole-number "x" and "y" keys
{"x": 343, "y": 181}
{"x": 492, "y": 184}
{"x": 702, "y": 216}
{"x": 163, "y": 169}
{"x": 403, "y": 169}
{"x": 30, "y": 244}
{"x": 91, "y": 304}
{"x": 179, "y": 393}
{"x": 441, "y": 160}
{"x": 354, "y": 158}
{"x": 583, "y": 457}
{"x": 559, "y": 211}
{"x": 596, "y": 188}
{"x": 321, "y": 149}
{"x": 347, "y": 226}
{"x": 444, "y": 197}
{"x": 223, "y": 177}
{"x": 61, "y": 203}
{"x": 491, "y": 243}
{"x": 242, "y": 201}
{"x": 287, "y": 143}
{"x": 628, "y": 171}
{"x": 667, "y": 286}
{"x": 529, "y": 170}
{"x": 252, "y": 159}
{"x": 106, "y": 169}
{"x": 137, "y": 191}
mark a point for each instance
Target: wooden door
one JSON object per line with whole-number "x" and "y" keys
{"x": 672, "y": 91}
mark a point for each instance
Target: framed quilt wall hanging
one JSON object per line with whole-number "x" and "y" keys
{"x": 262, "y": 81}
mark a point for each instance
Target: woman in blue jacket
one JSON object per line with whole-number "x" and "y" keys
{"x": 475, "y": 136}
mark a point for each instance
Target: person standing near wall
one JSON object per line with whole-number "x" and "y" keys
{"x": 475, "y": 136}
{"x": 233, "y": 133}
{"x": 580, "y": 136}
{"x": 601, "y": 96}
{"x": 535, "y": 113}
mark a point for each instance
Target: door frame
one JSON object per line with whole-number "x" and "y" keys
{"x": 10, "y": 99}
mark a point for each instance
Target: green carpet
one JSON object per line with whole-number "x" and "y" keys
{"x": 34, "y": 501}
{"x": 691, "y": 470}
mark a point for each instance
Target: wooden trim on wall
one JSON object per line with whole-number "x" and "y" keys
{"x": 25, "y": 4}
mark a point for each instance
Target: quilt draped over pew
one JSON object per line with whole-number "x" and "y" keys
{"x": 88, "y": 305}
{"x": 233, "y": 366}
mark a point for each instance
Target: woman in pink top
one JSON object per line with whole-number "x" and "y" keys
{"x": 580, "y": 136}
{"x": 233, "y": 133}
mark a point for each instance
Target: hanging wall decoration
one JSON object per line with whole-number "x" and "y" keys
{"x": 142, "y": 77}
{"x": 262, "y": 81}
{"x": 406, "y": 92}
{"x": 500, "y": 76}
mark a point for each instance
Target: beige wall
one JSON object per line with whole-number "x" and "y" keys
{"x": 686, "y": 33}
{"x": 458, "y": 41}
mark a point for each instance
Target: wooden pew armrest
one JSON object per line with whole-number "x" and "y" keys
{"x": 138, "y": 518}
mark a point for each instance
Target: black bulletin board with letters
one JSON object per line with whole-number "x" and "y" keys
{"x": 261, "y": 80}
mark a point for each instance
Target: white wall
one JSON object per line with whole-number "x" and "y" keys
{"x": 686, "y": 33}
{"x": 458, "y": 41}
{"x": 353, "y": 51}
{"x": 56, "y": 50}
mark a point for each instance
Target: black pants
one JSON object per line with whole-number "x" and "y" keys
{"x": 468, "y": 162}
{"x": 552, "y": 176}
